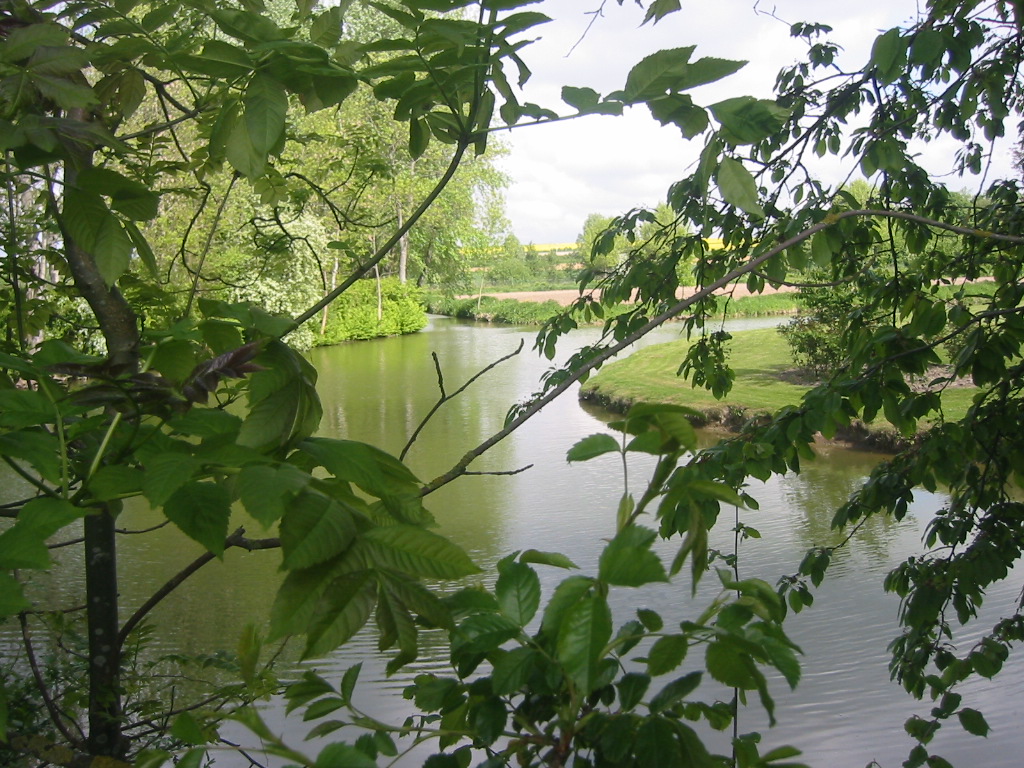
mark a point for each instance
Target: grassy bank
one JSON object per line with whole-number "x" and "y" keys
{"x": 760, "y": 360}
{"x": 512, "y": 312}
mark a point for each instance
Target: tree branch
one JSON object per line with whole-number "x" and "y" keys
{"x": 383, "y": 251}
{"x": 460, "y": 468}
{"x": 56, "y": 716}
{"x": 236, "y": 539}
{"x": 445, "y": 397}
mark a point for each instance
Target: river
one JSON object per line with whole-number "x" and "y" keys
{"x": 845, "y": 711}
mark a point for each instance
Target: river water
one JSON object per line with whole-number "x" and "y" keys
{"x": 845, "y": 711}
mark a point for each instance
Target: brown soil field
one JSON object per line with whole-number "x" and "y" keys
{"x": 566, "y": 297}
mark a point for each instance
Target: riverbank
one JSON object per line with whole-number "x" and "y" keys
{"x": 506, "y": 309}
{"x": 566, "y": 297}
{"x": 764, "y": 383}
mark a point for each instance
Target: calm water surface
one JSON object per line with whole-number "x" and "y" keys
{"x": 845, "y": 711}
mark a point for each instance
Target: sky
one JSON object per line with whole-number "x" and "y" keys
{"x": 562, "y": 172}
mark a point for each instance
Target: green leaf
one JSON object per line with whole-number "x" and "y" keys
{"x": 376, "y": 472}
{"x": 656, "y": 745}
{"x": 201, "y": 510}
{"x": 666, "y": 654}
{"x": 241, "y": 154}
{"x": 483, "y": 633}
{"x": 658, "y": 73}
{"x": 66, "y": 93}
{"x": 419, "y": 137}
{"x": 592, "y": 446}
{"x": 488, "y": 719}
{"x": 20, "y": 42}
{"x": 142, "y": 248}
{"x": 12, "y": 599}
{"x": 349, "y": 680}
{"x": 247, "y": 26}
{"x": 165, "y": 474}
{"x": 679, "y": 110}
{"x": 659, "y": 9}
{"x": 889, "y": 55}
{"x": 283, "y": 402}
{"x": 746, "y": 120}
{"x": 25, "y": 408}
{"x": 651, "y": 620}
{"x": 556, "y": 559}
{"x": 266, "y": 491}
{"x": 97, "y": 231}
{"x": 152, "y": 758}
{"x": 326, "y": 27}
{"x": 730, "y": 666}
{"x": 131, "y": 198}
{"x": 581, "y": 99}
{"x": 675, "y": 691}
{"x": 973, "y": 722}
{"x": 413, "y": 550}
{"x": 187, "y": 729}
{"x": 314, "y": 529}
{"x": 566, "y": 595}
{"x": 584, "y": 634}
{"x": 339, "y": 754}
{"x": 23, "y": 545}
{"x": 38, "y": 447}
{"x": 266, "y": 106}
{"x": 738, "y": 186}
{"x": 632, "y": 688}
{"x": 627, "y": 560}
{"x": 343, "y": 611}
{"x": 518, "y": 592}
{"x": 512, "y": 669}
{"x": 116, "y": 481}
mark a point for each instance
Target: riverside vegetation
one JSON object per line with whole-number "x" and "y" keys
{"x": 126, "y": 122}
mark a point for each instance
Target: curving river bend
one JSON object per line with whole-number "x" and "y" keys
{"x": 845, "y": 711}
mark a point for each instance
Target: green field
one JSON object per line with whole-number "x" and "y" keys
{"x": 759, "y": 359}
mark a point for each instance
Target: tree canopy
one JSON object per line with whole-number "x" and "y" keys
{"x": 192, "y": 403}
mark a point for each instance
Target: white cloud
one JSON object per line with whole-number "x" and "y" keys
{"x": 564, "y": 171}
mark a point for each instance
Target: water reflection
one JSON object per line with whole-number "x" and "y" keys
{"x": 845, "y": 712}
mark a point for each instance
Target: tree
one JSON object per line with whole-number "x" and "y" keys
{"x": 150, "y": 418}
{"x": 147, "y": 416}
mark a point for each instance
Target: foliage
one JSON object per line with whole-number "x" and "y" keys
{"x": 575, "y": 683}
{"x": 815, "y": 338}
{"x": 108, "y": 108}
{"x": 493, "y": 310}
{"x": 370, "y": 309}
{"x": 950, "y": 75}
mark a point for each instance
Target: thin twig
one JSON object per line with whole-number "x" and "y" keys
{"x": 501, "y": 472}
{"x": 444, "y": 398}
{"x": 398, "y": 234}
{"x": 236, "y": 539}
{"x": 209, "y": 242}
{"x": 55, "y": 714}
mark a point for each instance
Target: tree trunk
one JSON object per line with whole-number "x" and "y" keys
{"x": 403, "y": 247}
{"x": 119, "y": 326}
{"x": 104, "y": 649}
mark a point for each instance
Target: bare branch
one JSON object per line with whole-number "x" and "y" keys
{"x": 56, "y": 716}
{"x": 236, "y": 539}
{"x": 384, "y": 250}
{"x": 444, "y": 398}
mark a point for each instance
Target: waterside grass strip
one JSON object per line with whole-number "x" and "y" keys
{"x": 764, "y": 383}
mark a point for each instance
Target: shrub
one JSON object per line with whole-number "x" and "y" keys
{"x": 357, "y": 315}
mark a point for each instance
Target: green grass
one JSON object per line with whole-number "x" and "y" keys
{"x": 757, "y": 357}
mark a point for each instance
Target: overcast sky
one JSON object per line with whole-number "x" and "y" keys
{"x": 564, "y": 171}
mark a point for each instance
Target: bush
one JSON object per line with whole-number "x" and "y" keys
{"x": 355, "y": 314}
